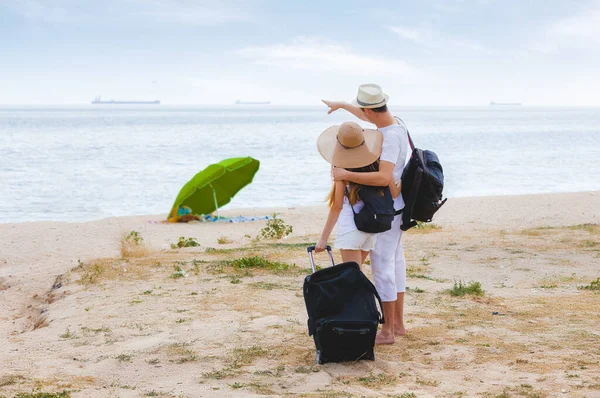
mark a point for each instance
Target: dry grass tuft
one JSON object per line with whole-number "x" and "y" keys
{"x": 9, "y": 380}
{"x": 132, "y": 245}
{"x": 41, "y": 322}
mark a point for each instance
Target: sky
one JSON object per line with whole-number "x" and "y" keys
{"x": 427, "y": 52}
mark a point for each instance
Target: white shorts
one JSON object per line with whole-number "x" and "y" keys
{"x": 388, "y": 264}
{"x": 355, "y": 240}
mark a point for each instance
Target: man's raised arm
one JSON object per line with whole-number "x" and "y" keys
{"x": 379, "y": 178}
{"x": 335, "y": 105}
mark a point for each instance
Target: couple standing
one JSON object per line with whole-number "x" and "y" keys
{"x": 375, "y": 158}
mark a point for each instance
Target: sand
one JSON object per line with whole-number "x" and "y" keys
{"x": 78, "y": 316}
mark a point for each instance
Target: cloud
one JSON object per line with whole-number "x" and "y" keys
{"x": 322, "y": 55}
{"x": 200, "y": 12}
{"x": 61, "y": 11}
{"x": 435, "y": 40}
{"x": 195, "y": 12}
{"x": 578, "y": 31}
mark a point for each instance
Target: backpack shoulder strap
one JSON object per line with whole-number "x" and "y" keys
{"x": 410, "y": 141}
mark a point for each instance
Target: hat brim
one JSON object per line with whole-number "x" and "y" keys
{"x": 379, "y": 104}
{"x": 333, "y": 152}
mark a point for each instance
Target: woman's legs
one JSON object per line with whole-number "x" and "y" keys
{"x": 363, "y": 256}
{"x": 351, "y": 255}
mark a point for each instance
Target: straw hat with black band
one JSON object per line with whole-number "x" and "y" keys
{"x": 349, "y": 145}
{"x": 370, "y": 96}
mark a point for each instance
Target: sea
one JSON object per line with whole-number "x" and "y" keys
{"x": 81, "y": 163}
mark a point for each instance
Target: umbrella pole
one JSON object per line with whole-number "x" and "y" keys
{"x": 216, "y": 204}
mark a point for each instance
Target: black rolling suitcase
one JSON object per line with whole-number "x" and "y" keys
{"x": 342, "y": 311}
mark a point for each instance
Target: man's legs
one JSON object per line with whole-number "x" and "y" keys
{"x": 400, "y": 273}
{"x": 383, "y": 266}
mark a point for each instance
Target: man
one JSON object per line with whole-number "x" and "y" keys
{"x": 387, "y": 257}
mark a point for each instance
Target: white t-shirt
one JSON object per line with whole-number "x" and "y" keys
{"x": 345, "y": 221}
{"x": 396, "y": 150}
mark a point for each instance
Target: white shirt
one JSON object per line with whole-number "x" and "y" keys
{"x": 396, "y": 150}
{"x": 345, "y": 221}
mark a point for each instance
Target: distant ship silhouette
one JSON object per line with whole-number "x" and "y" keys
{"x": 98, "y": 100}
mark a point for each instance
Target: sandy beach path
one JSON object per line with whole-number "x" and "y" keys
{"x": 78, "y": 316}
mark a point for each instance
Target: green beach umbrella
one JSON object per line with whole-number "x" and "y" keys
{"x": 216, "y": 185}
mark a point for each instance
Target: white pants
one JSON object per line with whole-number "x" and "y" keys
{"x": 388, "y": 263}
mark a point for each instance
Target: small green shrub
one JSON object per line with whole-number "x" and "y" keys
{"x": 179, "y": 274}
{"x": 183, "y": 242}
{"x": 132, "y": 245}
{"x": 135, "y": 238}
{"x": 276, "y": 228}
{"x": 461, "y": 288}
{"x": 422, "y": 225}
{"x": 67, "y": 335}
{"x": 258, "y": 262}
{"x": 41, "y": 394}
{"x": 594, "y": 285}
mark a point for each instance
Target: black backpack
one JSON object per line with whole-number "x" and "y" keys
{"x": 378, "y": 212}
{"x": 422, "y": 185}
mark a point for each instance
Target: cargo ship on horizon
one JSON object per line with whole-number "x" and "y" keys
{"x": 98, "y": 101}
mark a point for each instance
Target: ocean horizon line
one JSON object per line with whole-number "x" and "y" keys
{"x": 275, "y": 105}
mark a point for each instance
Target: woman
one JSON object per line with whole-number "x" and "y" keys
{"x": 355, "y": 149}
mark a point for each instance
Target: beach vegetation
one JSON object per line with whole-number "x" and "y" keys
{"x": 424, "y": 382}
{"x": 103, "y": 329}
{"x": 185, "y": 242}
{"x": 179, "y": 273}
{"x": 132, "y": 245}
{"x": 265, "y": 285}
{"x": 245, "y": 356}
{"x": 40, "y": 322}
{"x": 42, "y": 394}
{"x": 377, "y": 380}
{"x": 9, "y": 380}
{"x": 181, "y": 353}
{"x": 285, "y": 245}
{"x": 258, "y": 262}
{"x": 594, "y": 285}
{"x": 219, "y": 374}
{"x": 223, "y": 240}
{"x": 275, "y": 228}
{"x": 91, "y": 274}
{"x": 124, "y": 357}
{"x": 461, "y": 288}
{"x": 67, "y": 335}
{"x": 429, "y": 226}
{"x": 588, "y": 227}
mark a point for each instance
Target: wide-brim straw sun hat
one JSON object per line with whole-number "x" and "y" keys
{"x": 349, "y": 145}
{"x": 370, "y": 96}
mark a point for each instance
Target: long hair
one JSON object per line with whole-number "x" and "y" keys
{"x": 354, "y": 188}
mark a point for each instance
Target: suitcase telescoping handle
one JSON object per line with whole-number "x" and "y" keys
{"x": 310, "y": 250}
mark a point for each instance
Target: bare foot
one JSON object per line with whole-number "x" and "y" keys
{"x": 399, "y": 331}
{"x": 384, "y": 338}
